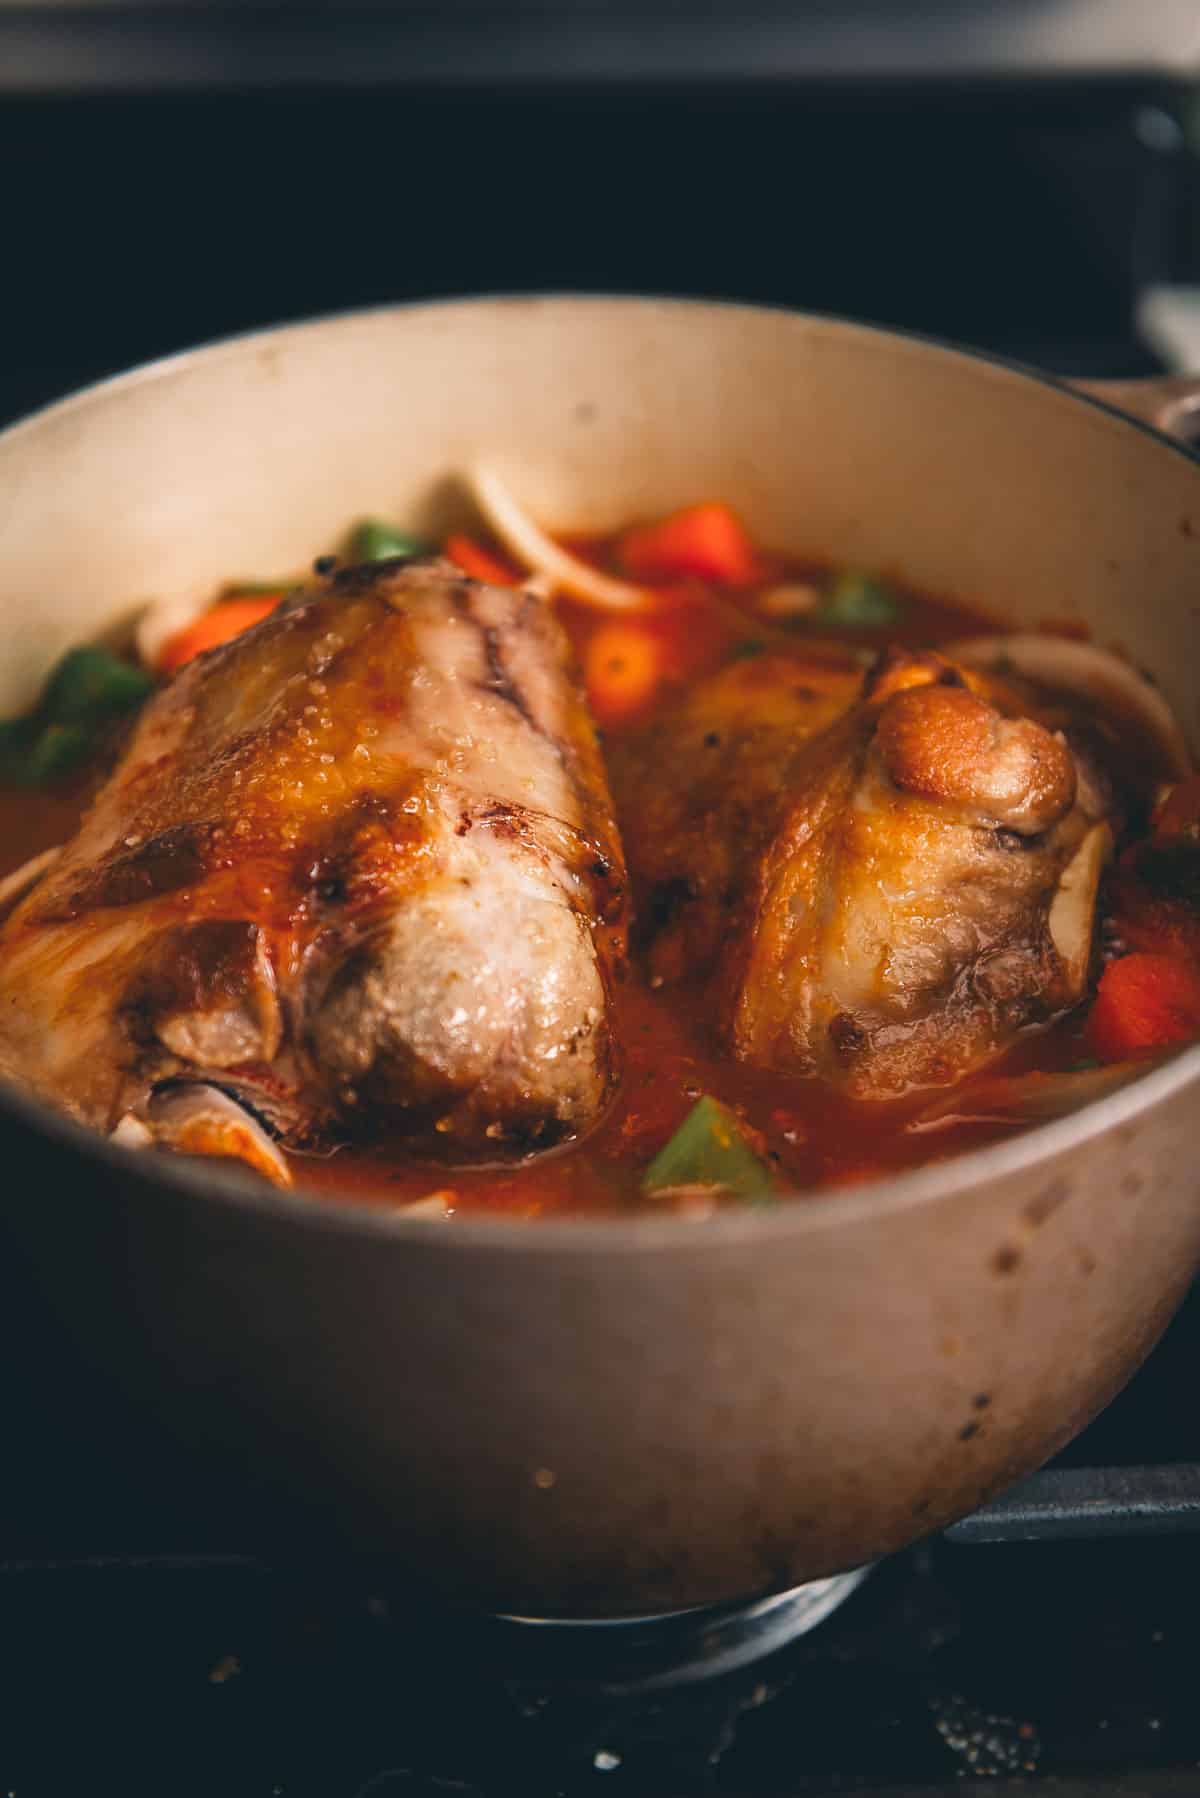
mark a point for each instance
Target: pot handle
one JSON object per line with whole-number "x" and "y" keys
{"x": 1171, "y": 403}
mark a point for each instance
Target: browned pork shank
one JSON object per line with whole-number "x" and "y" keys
{"x": 885, "y": 878}
{"x": 358, "y": 871}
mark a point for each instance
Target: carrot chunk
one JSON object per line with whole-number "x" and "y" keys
{"x": 480, "y": 563}
{"x": 225, "y": 621}
{"x": 1145, "y": 1002}
{"x": 622, "y": 668}
{"x": 708, "y": 542}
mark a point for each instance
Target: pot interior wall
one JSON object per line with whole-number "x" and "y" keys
{"x": 252, "y": 457}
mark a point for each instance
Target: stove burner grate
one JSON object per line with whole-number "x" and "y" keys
{"x": 643, "y": 1654}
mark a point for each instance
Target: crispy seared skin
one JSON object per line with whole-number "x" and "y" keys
{"x": 869, "y": 870}
{"x": 359, "y": 866}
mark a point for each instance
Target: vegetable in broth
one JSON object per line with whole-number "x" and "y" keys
{"x": 749, "y": 704}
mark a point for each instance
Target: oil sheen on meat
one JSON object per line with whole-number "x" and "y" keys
{"x": 358, "y": 871}
{"x": 885, "y": 878}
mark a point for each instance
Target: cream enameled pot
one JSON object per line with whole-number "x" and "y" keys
{"x": 623, "y": 1415}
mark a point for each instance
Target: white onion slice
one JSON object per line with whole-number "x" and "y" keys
{"x": 693, "y": 1201}
{"x": 1072, "y": 913}
{"x": 131, "y": 1133}
{"x": 14, "y": 886}
{"x": 435, "y": 1205}
{"x": 1022, "y": 1098}
{"x": 791, "y": 600}
{"x": 164, "y": 619}
{"x": 195, "y": 1118}
{"x": 530, "y": 545}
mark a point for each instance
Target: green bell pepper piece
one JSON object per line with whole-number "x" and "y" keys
{"x": 858, "y": 602}
{"x": 709, "y": 1149}
{"x": 375, "y": 541}
{"x": 84, "y": 693}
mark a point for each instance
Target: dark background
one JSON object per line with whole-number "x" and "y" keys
{"x": 1021, "y": 218}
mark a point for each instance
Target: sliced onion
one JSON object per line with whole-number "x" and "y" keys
{"x": 1072, "y": 912}
{"x": 14, "y": 886}
{"x": 194, "y": 1118}
{"x": 528, "y": 544}
{"x": 1022, "y": 1098}
{"x": 131, "y": 1133}
{"x": 434, "y": 1205}
{"x": 692, "y": 1201}
{"x": 795, "y": 599}
{"x": 164, "y": 619}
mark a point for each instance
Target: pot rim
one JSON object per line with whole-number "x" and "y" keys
{"x": 797, "y": 1214}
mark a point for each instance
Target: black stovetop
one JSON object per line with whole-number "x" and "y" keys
{"x": 1066, "y": 1664}
{"x": 1021, "y": 219}
{"x": 1073, "y": 1664}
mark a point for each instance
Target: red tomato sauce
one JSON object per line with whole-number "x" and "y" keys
{"x": 813, "y": 1137}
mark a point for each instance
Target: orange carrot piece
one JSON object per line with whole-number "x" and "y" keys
{"x": 226, "y": 620}
{"x": 708, "y": 542}
{"x": 1145, "y": 1002}
{"x": 622, "y": 667}
{"x": 480, "y": 563}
